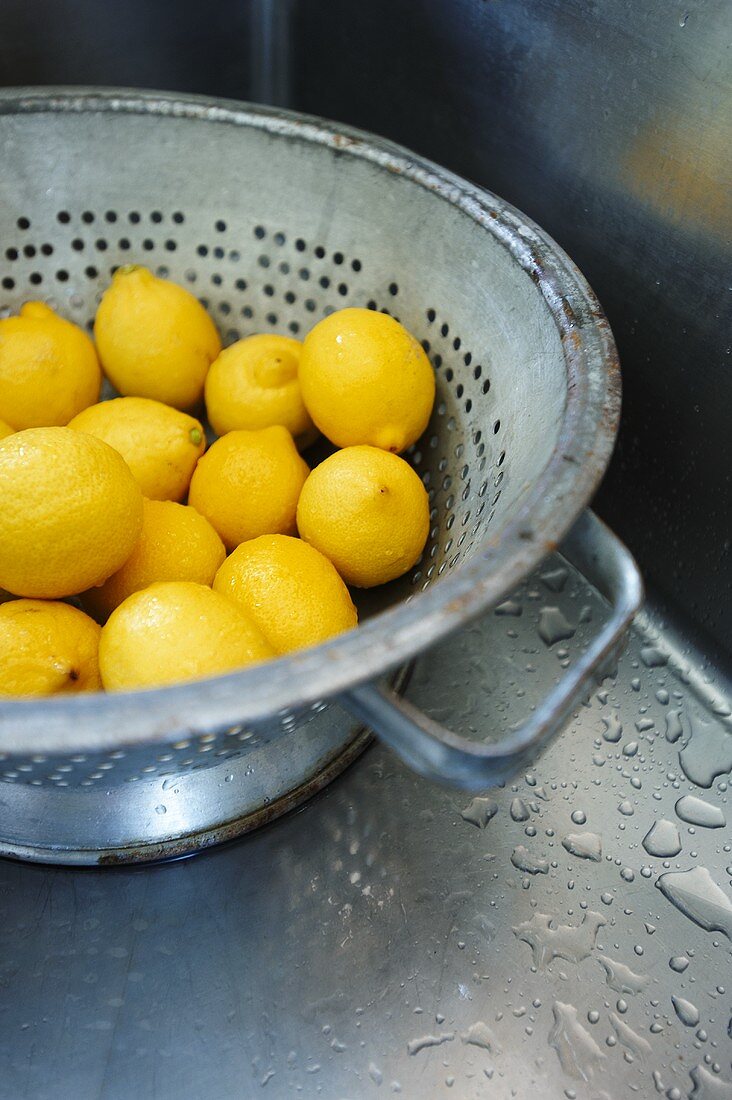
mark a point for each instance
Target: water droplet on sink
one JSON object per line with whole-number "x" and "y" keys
{"x": 686, "y": 1011}
{"x": 707, "y": 1086}
{"x": 480, "y": 1035}
{"x": 564, "y": 941}
{"x": 678, "y": 963}
{"x": 555, "y": 579}
{"x": 479, "y": 811}
{"x": 653, "y": 657}
{"x": 662, "y": 840}
{"x": 553, "y": 627}
{"x": 161, "y": 809}
{"x": 519, "y": 811}
{"x": 584, "y": 845}
{"x": 613, "y": 729}
{"x": 578, "y": 1053}
{"x": 695, "y": 811}
{"x": 697, "y": 896}
{"x": 631, "y": 1040}
{"x": 620, "y": 977}
{"x": 626, "y": 808}
{"x": 630, "y": 749}
{"x": 707, "y": 754}
{"x": 509, "y": 607}
{"x": 522, "y": 859}
{"x": 579, "y": 817}
{"x": 674, "y": 728}
{"x": 423, "y": 1041}
{"x": 375, "y": 1073}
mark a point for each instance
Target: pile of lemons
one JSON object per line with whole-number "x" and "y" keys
{"x": 110, "y": 580}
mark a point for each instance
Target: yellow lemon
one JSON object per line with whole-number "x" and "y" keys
{"x": 368, "y": 512}
{"x": 71, "y": 512}
{"x": 159, "y": 444}
{"x": 247, "y": 484}
{"x": 154, "y": 338}
{"x": 176, "y": 544}
{"x": 254, "y": 384}
{"x": 49, "y": 369}
{"x": 175, "y": 631}
{"x": 365, "y": 379}
{"x": 47, "y": 648}
{"x": 5, "y": 429}
{"x": 289, "y": 590}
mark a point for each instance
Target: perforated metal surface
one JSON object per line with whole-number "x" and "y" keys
{"x": 275, "y": 222}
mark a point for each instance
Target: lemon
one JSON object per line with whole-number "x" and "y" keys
{"x": 154, "y": 338}
{"x": 159, "y": 444}
{"x": 47, "y": 648}
{"x": 365, "y": 379}
{"x": 289, "y": 590}
{"x": 368, "y": 512}
{"x": 176, "y": 544}
{"x": 49, "y": 369}
{"x": 5, "y": 429}
{"x": 175, "y": 631}
{"x": 254, "y": 384}
{"x": 247, "y": 484}
{"x": 71, "y": 512}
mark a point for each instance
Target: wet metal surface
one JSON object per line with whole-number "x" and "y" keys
{"x": 392, "y": 936}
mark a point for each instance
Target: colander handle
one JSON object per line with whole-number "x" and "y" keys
{"x": 437, "y": 753}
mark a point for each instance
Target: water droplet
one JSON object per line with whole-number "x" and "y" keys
{"x": 627, "y": 874}
{"x": 613, "y": 729}
{"x": 593, "y": 1016}
{"x": 663, "y": 696}
{"x": 480, "y": 1035}
{"x": 522, "y": 859}
{"x": 686, "y": 1011}
{"x": 375, "y": 1073}
{"x": 630, "y": 749}
{"x": 479, "y": 811}
{"x": 620, "y": 977}
{"x": 653, "y": 657}
{"x": 584, "y": 845}
{"x": 678, "y": 963}
{"x": 578, "y": 1053}
{"x": 631, "y": 1040}
{"x": 415, "y": 1045}
{"x": 571, "y": 942}
{"x": 555, "y": 579}
{"x": 519, "y": 811}
{"x": 553, "y": 627}
{"x": 707, "y": 1086}
{"x": 707, "y": 755}
{"x": 606, "y": 898}
{"x": 509, "y": 607}
{"x": 674, "y": 728}
{"x": 579, "y": 817}
{"x": 161, "y": 809}
{"x": 662, "y": 840}
{"x": 684, "y": 19}
{"x": 626, "y": 808}
{"x": 643, "y": 725}
{"x": 696, "y": 894}
{"x": 695, "y": 811}
{"x": 170, "y": 782}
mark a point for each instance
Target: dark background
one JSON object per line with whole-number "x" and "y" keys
{"x": 608, "y": 122}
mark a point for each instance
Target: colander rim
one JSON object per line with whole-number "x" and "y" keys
{"x": 563, "y": 488}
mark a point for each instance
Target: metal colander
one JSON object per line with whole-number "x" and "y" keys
{"x": 274, "y": 221}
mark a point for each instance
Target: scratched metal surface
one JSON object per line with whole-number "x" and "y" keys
{"x": 393, "y": 937}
